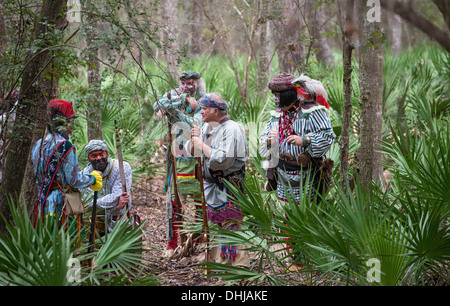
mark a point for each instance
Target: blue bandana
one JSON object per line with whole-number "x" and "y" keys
{"x": 207, "y": 102}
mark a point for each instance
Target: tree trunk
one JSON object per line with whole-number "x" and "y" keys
{"x": 196, "y": 27}
{"x": 396, "y": 25}
{"x": 316, "y": 19}
{"x": 3, "y": 35}
{"x": 426, "y": 26}
{"x": 444, "y": 7}
{"x": 94, "y": 110}
{"x": 32, "y": 111}
{"x": 348, "y": 28}
{"x": 288, "y": 35}
{"x": 169, "y": 15}
{"x": 217, "y": 25}
{"x": 371, "y": 98}
{"x": 263, "y": 58}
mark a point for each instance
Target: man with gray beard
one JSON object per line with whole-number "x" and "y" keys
{"x": 222, "y": 145}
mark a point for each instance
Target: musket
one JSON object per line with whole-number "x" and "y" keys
{"x": 202, "y": 190}
{"x": 177, "y": 200}
{"x": 121, "y": 169}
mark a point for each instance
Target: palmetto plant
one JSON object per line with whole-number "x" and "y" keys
{"x": 390, "y": 235}
{"x": 357, "y": 240}
{"x": 397, "y": 233}
{"x": 50, "y": 256}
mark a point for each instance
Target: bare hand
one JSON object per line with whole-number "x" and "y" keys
{"x": 192, "y": 102}
{"x": 195, "y": 132}
{"x": 124, "y": 198}
{"x": 295, "y": 140}
{"x": 160, "y": 115}
{"x": 197, "y": 143}
{"x": 273, "y": 137}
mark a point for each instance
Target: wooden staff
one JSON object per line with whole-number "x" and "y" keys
{"x": 94, "y": 217}
{"x": 178, "y": 207}
{"x": 202, "y": 189}
{"x": 121, "y": 169}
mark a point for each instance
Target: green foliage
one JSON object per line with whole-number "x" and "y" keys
{"x": 48, "y": 255}
{"x": 339, "y": 237}
{"x": 402, "y": 227}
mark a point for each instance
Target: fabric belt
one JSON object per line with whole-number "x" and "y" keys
{"x": 235, "y": 173}
{"x": 303, "y": 162}
{"x": 63, "y": 188}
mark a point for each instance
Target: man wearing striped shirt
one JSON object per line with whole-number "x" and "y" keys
{"x": 297, "y": 136}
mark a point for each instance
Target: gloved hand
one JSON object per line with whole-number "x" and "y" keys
{"x": 98, "y": 181}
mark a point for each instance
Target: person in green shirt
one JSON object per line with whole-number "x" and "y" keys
{"x": 180, "y": 106}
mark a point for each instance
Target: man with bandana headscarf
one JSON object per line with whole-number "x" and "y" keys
{"x": 222, "y": 145}
{"x": 181, "y": 108}
{"x": 112, "y": 201}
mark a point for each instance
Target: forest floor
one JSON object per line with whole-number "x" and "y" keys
{"x": 149, "y": 199}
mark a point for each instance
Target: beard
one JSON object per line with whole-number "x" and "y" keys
{"x": 190, "y": 91}
{"x": 100, "y": 164}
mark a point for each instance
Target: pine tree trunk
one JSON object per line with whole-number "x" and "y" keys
{"x": 348, "y": 28}
{"x": 371, "y": 99}
{"x": 94, "y": 110}
{"x": 32, "y": 111}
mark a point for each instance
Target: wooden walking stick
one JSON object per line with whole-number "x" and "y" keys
{"x": 121, "y": 169}
{"x": 94, "y": 217}
{"x": 178, "y": 206}
{"x": 202, "y": 189}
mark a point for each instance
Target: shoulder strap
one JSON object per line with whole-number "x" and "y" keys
{"x": 58, "y": 155}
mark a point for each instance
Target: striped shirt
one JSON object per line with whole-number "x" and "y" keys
{"x": 312, "y": 121}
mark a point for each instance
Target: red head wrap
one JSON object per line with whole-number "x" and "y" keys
{"x": 65, "y": 107}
